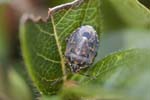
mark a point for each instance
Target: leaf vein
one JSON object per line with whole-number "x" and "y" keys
{"x": 41, "y": 30}
{"x": 63, "y": 17}
{"x": 65, "y": 30}
{"x": 46, "y": 58}
{"x": 84, "y": 15}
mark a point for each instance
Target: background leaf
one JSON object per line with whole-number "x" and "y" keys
{"x": 43, "y": 43}
{"x": 118, "y": 14}
{"x": 18, "y": 85}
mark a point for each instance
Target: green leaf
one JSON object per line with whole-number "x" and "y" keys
{"x": 87, "y": 93}
{"x": 84, "y": 93}
{"x": 18, "y": 85}
{"x": 126, "y": 72}
{"x": 118, "y": 14}
{"x": 43, "y": 43}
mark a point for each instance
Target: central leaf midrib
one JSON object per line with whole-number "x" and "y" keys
{"x": 59, "y": 48}
{"x": 59, "y": 44}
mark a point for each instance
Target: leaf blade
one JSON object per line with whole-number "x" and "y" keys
{"x": 43, "y": 43}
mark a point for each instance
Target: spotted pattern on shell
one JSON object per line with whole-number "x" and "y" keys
{"x": 82, "y": 46}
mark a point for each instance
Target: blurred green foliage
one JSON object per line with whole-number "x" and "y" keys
{"x": 4, "y": 50}
{"x": 121, "y": 68}
{"x": 118, "y": 14}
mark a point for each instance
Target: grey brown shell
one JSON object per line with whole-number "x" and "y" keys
{"x": 81, "y": 48}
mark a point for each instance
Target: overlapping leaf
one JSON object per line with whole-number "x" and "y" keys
{"x": 126, "y": 72}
